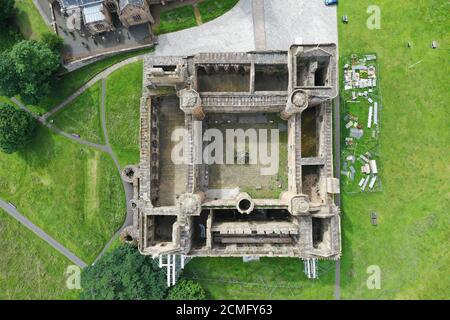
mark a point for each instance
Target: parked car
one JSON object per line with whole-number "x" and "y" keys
{"x": 331, "y": 2}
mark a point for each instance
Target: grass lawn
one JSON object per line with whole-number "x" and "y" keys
{"x": 411, "y": 242}
{"x": 82, "y": 116}
{"x": 175, "y": 19}
{"x": 30, "y": 268}
{"x": 72, "y": 192}
{"x": 29, "y": 20}
{"x": 271, "y": 278}
{"x": 72, "y": 81}
{"x": 211, "y": 9}
{"x": 123, "y": 93}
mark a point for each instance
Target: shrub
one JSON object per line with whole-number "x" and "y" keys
{"x": 16, "y": 128}
{"x": 123, "y": 274}
{"x": 186, "y": 290}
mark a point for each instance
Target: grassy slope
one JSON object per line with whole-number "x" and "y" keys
{"x": 176, "y": 19}
{"x": 211, "y": 9}
{"x": 411, "y": 242}
{"x": 72, "y": 192}
{"x": 72, "y": 81}
{"x": 124, "y": 90}
{"x": 29, "y": 20}
{"x": 30, "y": 268}
{"x": 271, "y": 278}
{"x": 82, "y": 116}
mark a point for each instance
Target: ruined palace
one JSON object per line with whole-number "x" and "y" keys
{"x": 199, "y": 209}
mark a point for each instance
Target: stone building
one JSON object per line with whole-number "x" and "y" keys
{"x": 198, "y": 209}
{"x": 97, "y": 15}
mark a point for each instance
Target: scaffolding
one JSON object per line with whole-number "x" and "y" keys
{"x": 172, "y": 264}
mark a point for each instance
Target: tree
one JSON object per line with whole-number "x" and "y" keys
{"x": 28, "y": 69}
{"x": 6, "y": 11}
{"x": 53, "y": 41}
{"x": 123, "y": 274}
{"x": 186, "y": 290}
{"x": 16, "y": 128}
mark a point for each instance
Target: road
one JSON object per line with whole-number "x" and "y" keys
{"x": 40, "y": 233}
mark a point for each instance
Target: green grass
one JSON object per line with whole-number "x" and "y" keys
{"x": 72, "y": 81}
{"x": 410, "y": 244}
{"x": 123, "y": 93}
{"x": 175, "y": 19}
{"x": 72, "y": 192}
{"x": 30, "y": 268}
{"x": 271, "y": 278}
{"x": 82, "y": 116}
{"x": 272, "y": 191}
{"x": 211, "y": 9}
{"x": 29, "y": 20}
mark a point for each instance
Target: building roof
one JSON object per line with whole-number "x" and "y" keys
{"x": 93, "y": 13}
{"x": 124, "y": 3}
{"x": 77, "y": 3}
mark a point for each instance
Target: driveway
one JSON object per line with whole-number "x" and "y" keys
{"x": 256, "y": 24}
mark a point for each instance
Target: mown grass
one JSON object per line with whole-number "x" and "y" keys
{"x": 175, "y": 19}
{"x": 211, "y": 9}
{"x": 29, "y": 267}
{"x": 123, "y": 93}
{"x": 270, "y": 278}
{"x": 72, "y": 192}
{"x": 410, "y": 244}
{"x": 82, "y": 116}
{"x": 29, "y": 20}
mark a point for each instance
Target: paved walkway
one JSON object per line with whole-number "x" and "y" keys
{"x": 38, "y": 231}
{"x": 259, "y": 24}
{"x": 256, "y": 24}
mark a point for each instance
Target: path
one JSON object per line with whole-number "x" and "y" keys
{"x": 259, "y": 24}
{"x": 105, "y": 73}
{"x": 40, "y": 233}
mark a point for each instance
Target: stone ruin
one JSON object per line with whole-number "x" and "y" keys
{"x": 175, "y": 209}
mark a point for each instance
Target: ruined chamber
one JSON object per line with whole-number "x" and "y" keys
{"x": 198, "y": 208}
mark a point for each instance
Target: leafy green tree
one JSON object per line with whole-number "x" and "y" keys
{"x": 53, "y": 41}
{"x": 16, "y": 128}
{"x": 123, "y": 274}
{"x": 186, "y": 290}
{"x": 6, "y": 11}
{"x": 28, "y": 69}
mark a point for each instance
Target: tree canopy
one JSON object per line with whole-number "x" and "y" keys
{"x": 27, "y": 70}
{"x": 123, "y": 274}
{"x": 16, "y": 128}
{"x": 6, "y": 11}
{"x": 186, "y": 290}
